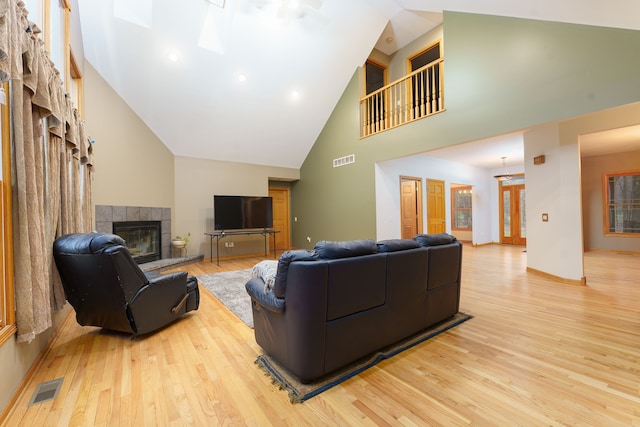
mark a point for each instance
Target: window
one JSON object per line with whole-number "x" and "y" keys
{"x": 461, "y": 208}
{"x": 52, "y": 17}
{"x": 622, "y": 204}
{"x": 76, "y": 86}
{"x": 375, "y": 78}
{"x": 375, "y": 75}
{"x": 425, "y": 85}
{"x": 54, "y": 35}
{"x": 7, "y": 312}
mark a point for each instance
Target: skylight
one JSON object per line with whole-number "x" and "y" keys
{"x": 137, "y": 12}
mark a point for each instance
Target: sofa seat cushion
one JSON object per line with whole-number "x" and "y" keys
{"x": 434, "y": 239}
{"x": 335, "y": 250}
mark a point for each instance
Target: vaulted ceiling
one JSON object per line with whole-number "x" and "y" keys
{"x": 255, "y": 80}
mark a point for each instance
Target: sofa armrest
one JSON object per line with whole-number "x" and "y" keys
{"x": 255, "y": 289}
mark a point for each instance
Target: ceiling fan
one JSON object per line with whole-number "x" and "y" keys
{"x": 219, "y": 17}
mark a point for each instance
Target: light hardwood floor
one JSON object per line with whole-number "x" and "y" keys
{"x": 537, "y": 352}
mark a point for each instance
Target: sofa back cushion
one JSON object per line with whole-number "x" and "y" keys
{"x": 355, "y": 285}
{"x": 434, "y": 239}
{"x": 280, "y": 282}
{"x": 444, "y": 265}
{"x": 394, "y": 245}
{"x": 335, "y": 250}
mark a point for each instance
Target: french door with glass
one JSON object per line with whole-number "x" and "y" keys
{"x": 513, "y": 220}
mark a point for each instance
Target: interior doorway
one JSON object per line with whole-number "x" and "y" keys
{"x": 513, "y": 220}
{"x": 410, "y": 207}
{"x": 436, "y": 209}
{"x": 280, "y": 198}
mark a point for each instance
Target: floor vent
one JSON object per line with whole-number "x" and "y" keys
{"x": 346, "y": 160}
{"x": 46, "y": 391}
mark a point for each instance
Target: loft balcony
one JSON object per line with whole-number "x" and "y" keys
{"x": 415, "y": 96}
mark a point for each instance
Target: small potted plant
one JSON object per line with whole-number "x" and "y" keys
{"x": 180, "y": 241}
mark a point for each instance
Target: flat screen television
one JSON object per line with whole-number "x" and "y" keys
{"x": 242, "y": 212}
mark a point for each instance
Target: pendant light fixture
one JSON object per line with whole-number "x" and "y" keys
{"x": 505, "y": 176}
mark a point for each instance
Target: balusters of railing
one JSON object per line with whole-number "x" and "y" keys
{"x": 414, "y": 96}
{"x": 440, "y": 66}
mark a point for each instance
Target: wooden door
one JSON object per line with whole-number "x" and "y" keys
{"x": 513, "y": 224}
{"x": 410, "y": 207}
{"x": 436, "y": 211}
{"x": 281, "y": 217}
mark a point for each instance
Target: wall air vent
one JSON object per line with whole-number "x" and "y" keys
{"x": 346, "y": 160}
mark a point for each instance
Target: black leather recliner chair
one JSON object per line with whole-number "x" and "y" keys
{"x": 107, "y": 288}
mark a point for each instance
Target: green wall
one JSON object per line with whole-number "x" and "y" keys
{"x": 501, "y": 75}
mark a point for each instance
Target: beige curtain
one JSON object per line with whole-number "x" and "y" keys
{"x": 49, "y": 157}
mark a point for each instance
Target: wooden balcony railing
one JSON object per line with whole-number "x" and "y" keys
{"x": 417, "y": 95}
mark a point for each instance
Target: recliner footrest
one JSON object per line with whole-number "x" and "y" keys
{"x": 194, "y": 293}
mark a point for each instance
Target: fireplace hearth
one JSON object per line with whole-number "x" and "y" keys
{"x": 143, "y": 239}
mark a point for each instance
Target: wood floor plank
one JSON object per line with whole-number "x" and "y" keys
{"x": 537, "y": 352}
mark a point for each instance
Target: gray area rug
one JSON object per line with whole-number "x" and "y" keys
{"x": 229, "y": 288}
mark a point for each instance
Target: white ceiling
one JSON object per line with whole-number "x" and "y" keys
{"x": 485, "y": 153}
{"x": 611, "y": 141}
{"x": 198, "y": 106}
{"x": 488, "y": 153}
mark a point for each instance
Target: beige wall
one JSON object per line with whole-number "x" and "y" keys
{"x": 132, "y": 166}
{"x": 16, "y": 358}
{"x": 198, "y": 180}
{"x": 592, "y": 200}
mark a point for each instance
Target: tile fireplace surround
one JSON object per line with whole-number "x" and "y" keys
{"x": 106, "y": 215}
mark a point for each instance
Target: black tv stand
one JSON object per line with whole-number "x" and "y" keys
{"x": 221, "y": 234}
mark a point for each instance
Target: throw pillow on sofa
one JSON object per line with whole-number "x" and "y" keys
{"x": 266, "y": 270}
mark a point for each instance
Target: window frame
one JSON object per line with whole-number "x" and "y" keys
{"x": 385, "y": 74}
{"x": 8, "y": 326}
{"x": 606, "y": 205}
{"x": 454, "y": 189}
{"x": 423, "y": 51}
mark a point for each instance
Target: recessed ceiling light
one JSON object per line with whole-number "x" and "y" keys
{"x": 295, "y": 94}
{"x": 173, "y": 56}
{"x": 242, "y": 77}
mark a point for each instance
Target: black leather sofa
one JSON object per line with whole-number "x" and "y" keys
{"x": 344, "y": 300}
{"x": 106, "y": 287}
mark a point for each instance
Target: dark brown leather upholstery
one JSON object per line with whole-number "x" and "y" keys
{"x": 345, "y": 300}
{"x": 107, "y": 288}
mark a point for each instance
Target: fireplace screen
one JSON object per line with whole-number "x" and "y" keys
{"x": 142, "y": 237}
